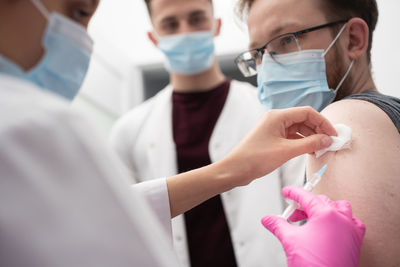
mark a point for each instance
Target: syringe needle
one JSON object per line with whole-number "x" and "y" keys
{"x": 309, "y": 186}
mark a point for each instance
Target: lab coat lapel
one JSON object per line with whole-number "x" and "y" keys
{"x": 238, "y": 117}
{"x": 161, "y": 147}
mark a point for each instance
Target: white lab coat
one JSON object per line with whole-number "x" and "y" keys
{"x": 65, "y": 199}
{"x": 144, "y": 140}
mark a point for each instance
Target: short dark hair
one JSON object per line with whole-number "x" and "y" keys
{"x": 365, "y": 9}
{"x": 339, "y": 9}
{"x": 148, "y": 3}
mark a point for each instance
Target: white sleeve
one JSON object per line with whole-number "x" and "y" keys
{"x": 65, "y": 201}
{"x": 122, "y": 140}
{"x": 156, "y": 193}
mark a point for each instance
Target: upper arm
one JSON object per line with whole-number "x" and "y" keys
{"x": 367, "y": 175}
{"x": 64, "y": 194}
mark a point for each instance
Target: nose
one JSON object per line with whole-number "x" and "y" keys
{"x": 185, "y": 27}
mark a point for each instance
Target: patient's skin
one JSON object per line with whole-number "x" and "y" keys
{"x": 367, "y": 175}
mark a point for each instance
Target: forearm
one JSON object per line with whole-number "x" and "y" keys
{"x": 265, "y": 148}
{"x": 190, "y": 189}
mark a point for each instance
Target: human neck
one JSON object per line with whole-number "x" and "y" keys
{"x": 359, "y": 81}
{"x": 201, "y": 82}
{"x": 364, "y": 81}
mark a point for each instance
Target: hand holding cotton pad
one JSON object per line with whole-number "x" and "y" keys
{"x": 340, "y": 142}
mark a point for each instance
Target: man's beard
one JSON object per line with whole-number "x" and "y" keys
{"x": 336, "y": 69}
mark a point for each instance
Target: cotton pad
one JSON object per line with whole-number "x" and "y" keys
{"x": 340, "y": 142}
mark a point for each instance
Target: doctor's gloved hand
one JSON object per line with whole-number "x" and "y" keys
{"x": 331, "y": 237}
{"x": 275, "y": 140}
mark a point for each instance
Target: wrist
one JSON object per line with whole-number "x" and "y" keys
{"x": 231, "y": 173}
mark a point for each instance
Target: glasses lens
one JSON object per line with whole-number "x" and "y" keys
{"x": 283, "y": 45}
{"x": 247, "y": 63}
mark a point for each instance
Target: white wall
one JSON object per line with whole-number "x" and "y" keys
{"x": 386, "y": 48}
{"x": 124, "y": 24}
{"x": 119, "y": 30}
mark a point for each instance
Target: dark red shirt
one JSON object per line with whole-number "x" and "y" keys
{"x": 194, "y": 118}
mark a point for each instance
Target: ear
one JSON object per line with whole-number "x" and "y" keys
{"x": 152, "y": 38}
{"x": 218, "y": 25}
{"x": 358, "y": 34}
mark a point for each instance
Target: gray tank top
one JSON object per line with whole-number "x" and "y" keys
{"x": 389, "y": 104}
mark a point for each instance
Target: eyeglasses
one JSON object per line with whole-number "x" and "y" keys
{"x": 247, "y": 62}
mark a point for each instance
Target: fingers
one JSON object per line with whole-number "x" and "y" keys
{"x": 360, "y": 225}
{"x": 326, "y": 200}
{"x": 302, "y": 129}
{"x": 344, "y": 207}
{"x": 309, "y": 144}
{"x": 310, "y": 118}
{"x": 276, "y": 225}
{"x": 295, "y": 136}
{"x": 297, "y": 216}
{"x": 307, "y": 200}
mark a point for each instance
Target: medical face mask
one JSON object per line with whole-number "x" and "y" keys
{"x": 188, "y": 54}
{"x": 68, "y": 49}
{"x": 299, "y": 79}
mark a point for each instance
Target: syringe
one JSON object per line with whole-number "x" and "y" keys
{"x": 309, "y": 186}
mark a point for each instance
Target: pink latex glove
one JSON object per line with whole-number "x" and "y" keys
{"x": 332, "y": 237}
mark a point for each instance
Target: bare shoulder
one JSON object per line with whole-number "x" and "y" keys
{"x": 367, "y": 175}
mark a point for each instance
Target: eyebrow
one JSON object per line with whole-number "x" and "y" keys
{"x": 192, "y": 14}
{"x": 197, "y": 13}
{"x": 168, "y": 19}
{"x": 275, "y": 32}
{"x": 88, "y": 3}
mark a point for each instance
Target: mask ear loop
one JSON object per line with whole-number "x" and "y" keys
{"x": 345, "y": 76}
{"x": 42, "y": 9}
{"x": 335, "y": 40}
{"x": 351, "y": 64}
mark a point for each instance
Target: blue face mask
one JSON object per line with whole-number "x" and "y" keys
{"x": 68, "y": 49}
{"x": 188, "y": 54}
{"x": 299, "y": 79}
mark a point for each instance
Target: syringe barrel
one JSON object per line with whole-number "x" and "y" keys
{"x": 308, "y": 186}
{"x": 289, "y": 210}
